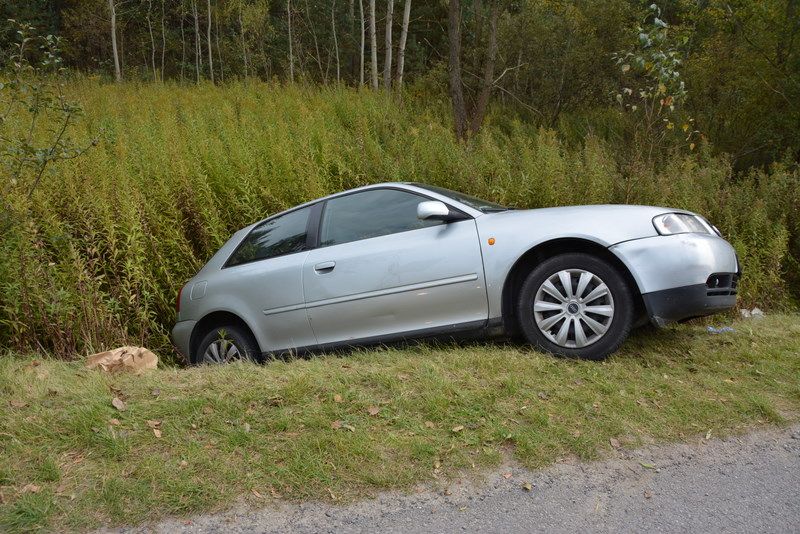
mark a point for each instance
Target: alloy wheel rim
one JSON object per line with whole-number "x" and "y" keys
{"x": 573, "y": 308}
{"x": 222, "y": 351}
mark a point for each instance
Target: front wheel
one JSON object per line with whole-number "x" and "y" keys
{"x": 575, "y": 305}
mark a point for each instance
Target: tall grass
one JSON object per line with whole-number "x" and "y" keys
{"x": 113, "y": 235}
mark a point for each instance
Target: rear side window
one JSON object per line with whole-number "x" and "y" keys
{"x": 370, "y": 214}
{"x": 276, "y": 237}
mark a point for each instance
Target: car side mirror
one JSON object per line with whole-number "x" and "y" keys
{"x": 434, "y": 210}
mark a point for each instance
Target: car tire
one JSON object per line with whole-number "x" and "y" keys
{"x": 597, "y": 309}
{"x": 225, "y": 344}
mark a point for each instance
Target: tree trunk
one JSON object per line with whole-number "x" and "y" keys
{"x": 373, "y": 45}
{"x": 198, "y": 57}
{"x": 454, "y": 69}
{"x": 152, "y": 40}
{"x": 208, "y": 38}
{"x": 289, "y": 22}
{"x": 244, "y": 41}
{"x": 117, "y": 70}
{"x": 361, "y": 67}
{"x": 335, "y": 40}
{"x": 482, "y": 102}
{"x": 401, "y": 49}
{"x": 183, "y": 46}
{"x": 219, "y": 52}
{"x": 387, "y": 63}
{"x": 163, "y": 41}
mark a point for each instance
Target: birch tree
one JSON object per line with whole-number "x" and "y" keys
{"x": 113, "y": 12}
{"x": 198, "y": 56}
{"x": 152, "y": 40}
{"x": 373, "y": 45}
{"x": 363, "y": 35}
{"x": 208, "y": 38}
{"x": 401, "y": 48}
{"x": 387, "y": 62}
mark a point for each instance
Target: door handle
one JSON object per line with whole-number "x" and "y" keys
{"x": 325, "y": 266}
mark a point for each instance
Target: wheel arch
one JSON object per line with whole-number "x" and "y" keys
{"x": 543, "y": 251}
{"x": 214, "y": 320}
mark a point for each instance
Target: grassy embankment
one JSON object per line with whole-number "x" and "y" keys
{"x": 71, "y": 460}
{"x": 112, "y": 235}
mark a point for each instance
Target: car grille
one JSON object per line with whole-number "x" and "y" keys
{"x": 720, "y": 284}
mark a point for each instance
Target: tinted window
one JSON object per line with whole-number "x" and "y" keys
{"x": 276, "y": 237}
{"x": 370, "y": 214}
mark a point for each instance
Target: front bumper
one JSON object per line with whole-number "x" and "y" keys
{"x": 679, "y": 303}
{"x": 182, "y": 335}
{"x": 682, "y": 276}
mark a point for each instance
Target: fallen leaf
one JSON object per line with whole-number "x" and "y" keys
{"x": 647, "y": 494}
{"x": 153, "y": 423}
{"x": 507, "y": 475}
{"x": 114, "y": 422}
{"x": 157, "y": 432}
{"x": 337, "y": 398}
{"x": 373, "y": 410}
{"x": 614, "y": 443}
{"x": 576, "y": 434}
{"x": 647, "y": 466}
{"x": 31, "y": 488}
{"x": 194, "y": 426}
{"x": 458, "y": 428}
{"x": 117, "y": 403}
{"x": 16, "y": 403}
{"x": 429, "y": 424}
{"x": 336, "y": 425}
{"x": 257, "y": 494}
{"x": 402, "y": 376}
{"x": 527, "y": 486}
{"x": 183, "y": 464}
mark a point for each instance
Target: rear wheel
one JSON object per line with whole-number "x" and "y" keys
{"x": 226, "y": 344}
{"x": 575, "y": 305}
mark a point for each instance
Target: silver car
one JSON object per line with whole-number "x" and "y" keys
{"x": 403, "y": 260}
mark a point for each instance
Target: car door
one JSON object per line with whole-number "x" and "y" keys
{"x": 265, "y": 275}
{"x": 380, "y": 271}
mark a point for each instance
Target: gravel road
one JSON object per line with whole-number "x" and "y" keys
{"x": 746, "y": 484}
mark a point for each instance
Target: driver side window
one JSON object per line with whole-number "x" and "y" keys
{"x": 369, "y": 214}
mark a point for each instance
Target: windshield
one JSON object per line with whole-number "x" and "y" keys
{"x": 473, "y": 202}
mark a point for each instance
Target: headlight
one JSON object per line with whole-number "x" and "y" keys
{"x": 681, "y": 223}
